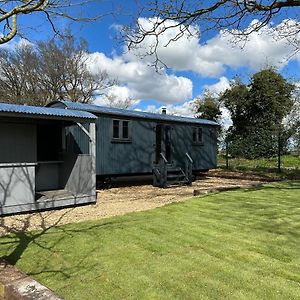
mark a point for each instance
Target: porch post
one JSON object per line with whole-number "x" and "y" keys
{"x": 92, "y": 152}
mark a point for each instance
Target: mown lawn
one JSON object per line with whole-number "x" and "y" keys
{"x": 290, "y": 166}
{"x": 233, "y": 245}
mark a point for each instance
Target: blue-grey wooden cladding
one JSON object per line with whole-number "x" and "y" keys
{"x": 18, "y": 143}
{"x": 138, "y": 155}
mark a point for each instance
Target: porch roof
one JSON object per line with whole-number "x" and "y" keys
{"x": 26, "y": 111}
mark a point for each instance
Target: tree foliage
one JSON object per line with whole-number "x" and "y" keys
{"x": 49, "y": 71}
{"x": 208, "y": 107}
{"x": 257, "y": 112}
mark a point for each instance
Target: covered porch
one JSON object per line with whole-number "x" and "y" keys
{"x": 39, "y": 168}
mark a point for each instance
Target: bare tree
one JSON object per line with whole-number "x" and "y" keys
{"x": 18, "y": 75}
{"x": 49, "y": 71}
{"x": 233, "y": 16}
{"x": 10, "y": 11}
{"x": 112, "y": 100}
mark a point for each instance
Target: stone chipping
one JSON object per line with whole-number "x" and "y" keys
{"x": 117, "y": 201}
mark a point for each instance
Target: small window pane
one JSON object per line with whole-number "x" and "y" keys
{"x": 116, "y": 129}
{"x": 194, "y": 135}
{"x": 125, "y": 130}
{"x": 199, "y": 135}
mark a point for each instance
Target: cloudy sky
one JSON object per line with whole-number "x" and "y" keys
{"x": 194, "y": 64}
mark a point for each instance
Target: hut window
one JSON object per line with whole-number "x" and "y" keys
{"x": 116, "y": 128}
{"x": 125, "y": 129}
{"x": 197, "y": 135}
{"x": 120, "y": 130}
{"x": 194, "y": 135}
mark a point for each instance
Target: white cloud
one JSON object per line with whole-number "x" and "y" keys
{"x": 187, "y": 109}
{"x": 184, "y": 109}
{"x": 118, "y": 96}
{"x": 141, "y": 81}
{"x": 225, "y": 119}
{"x": 15, "y": 43}
{"x": 218, "y": 87}
{"x": 211, "y": 59}
{"x": 262, "y": 49}
{"x": 137, "y": 80}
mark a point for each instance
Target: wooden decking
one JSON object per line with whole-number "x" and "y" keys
{"x": 55, "y": 195}
{"x": 60, "y": 198}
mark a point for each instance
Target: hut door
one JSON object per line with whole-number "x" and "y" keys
{"x": 168, "y": 143}
{"x": 158, "y": 143}
{"x": 163, "y": 142}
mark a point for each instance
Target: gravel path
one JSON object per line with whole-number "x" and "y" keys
{"x": 113, "y": 202}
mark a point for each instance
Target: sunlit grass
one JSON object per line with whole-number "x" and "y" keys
{"x": 234, "y": 245}
{"x": 290, "y": 165}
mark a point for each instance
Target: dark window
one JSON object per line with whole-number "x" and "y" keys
{"x": 197, "y": 135}
{"x": 116, "y": 129}
{"x": 121, "y": 130}
{"x": 125, "y": 130}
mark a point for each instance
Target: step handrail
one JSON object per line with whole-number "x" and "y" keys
{"x": 163, "y": 157}
{"x": 189, "y": 158}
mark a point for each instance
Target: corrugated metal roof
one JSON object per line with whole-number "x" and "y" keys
{"x": 45, "y": 111}
{"x": 131, "y": 113}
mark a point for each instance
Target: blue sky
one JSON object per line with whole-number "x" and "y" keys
{"x": 205, "y": 62}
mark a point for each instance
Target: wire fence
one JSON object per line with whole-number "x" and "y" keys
{"x": 267, "y": 142}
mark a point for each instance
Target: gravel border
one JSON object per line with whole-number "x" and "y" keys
{"x": 117, "y": 201}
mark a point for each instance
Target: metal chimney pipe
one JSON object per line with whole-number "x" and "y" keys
{"x": 164, "y": 110}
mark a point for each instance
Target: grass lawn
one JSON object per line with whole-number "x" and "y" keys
{"x": 290, "y": 165}
{"x": 233, "y": 245}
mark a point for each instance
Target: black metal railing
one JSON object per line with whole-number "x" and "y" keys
{"x": 188, "y": 168}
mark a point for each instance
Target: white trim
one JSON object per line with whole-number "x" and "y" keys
{"x": 84, "y": 130}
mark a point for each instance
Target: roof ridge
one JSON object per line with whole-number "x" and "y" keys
{"x": 133, "y": 113}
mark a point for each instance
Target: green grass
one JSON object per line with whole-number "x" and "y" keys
{"x": 235, "y": 245}
{"x": 287, "y": 161}
{"x": 290, "y": 165}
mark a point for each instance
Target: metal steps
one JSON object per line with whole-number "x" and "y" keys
{"x": 166, "y": 174}
{"x": 170, "y": 176}
{"x": 176, "y": 176}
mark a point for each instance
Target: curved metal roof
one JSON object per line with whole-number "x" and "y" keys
{"x": 129, "y": 113}
{"x": 59, "y": 113}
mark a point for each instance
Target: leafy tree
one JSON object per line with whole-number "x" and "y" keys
{"x": 257, "y": 112}
{"x": 270, "y": 97}
{"x": 49, "y": 71}
{"x": 208, "y": 107}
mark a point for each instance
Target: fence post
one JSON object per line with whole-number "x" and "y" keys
{"x": 226, "y": 154}
{"x": 279, "y": 153}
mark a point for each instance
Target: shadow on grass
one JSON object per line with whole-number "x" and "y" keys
{"x": 19, "y": 238}
{"x": 234, "y": 212}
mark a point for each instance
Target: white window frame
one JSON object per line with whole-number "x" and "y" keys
{"x": 121, "y": 138}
